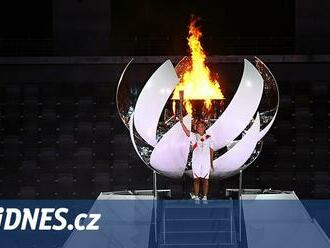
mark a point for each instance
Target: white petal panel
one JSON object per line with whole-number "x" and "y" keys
{"x": 240, "y": 110}
{"x": 240, "y": 153}
{"x": 152, "y": 100}
{"x": 170, "y": 155}
{"x": 131, "y": 133}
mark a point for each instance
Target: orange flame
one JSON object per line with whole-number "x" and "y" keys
{"x": 196, "y": 82}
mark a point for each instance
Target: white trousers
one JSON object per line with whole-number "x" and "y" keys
{"x": 201, "y": 165}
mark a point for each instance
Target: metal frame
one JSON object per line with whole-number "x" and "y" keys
{"x": 240, "y": 204}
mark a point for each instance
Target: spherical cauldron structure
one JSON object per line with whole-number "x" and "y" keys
{"x": 238, "y": 131}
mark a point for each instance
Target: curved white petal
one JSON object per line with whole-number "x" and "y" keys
{"x": 240, "y": 110}
{"x": 240, "y": 153}
{"x": 170, "y": 155}
{"x": 131, "y": 133}
{"x": 152, "y": 100}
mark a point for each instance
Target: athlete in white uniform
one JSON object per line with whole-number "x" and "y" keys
{"x": 202, "y": 158}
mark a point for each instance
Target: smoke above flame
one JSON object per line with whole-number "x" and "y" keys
{"x": 196, "y": 82}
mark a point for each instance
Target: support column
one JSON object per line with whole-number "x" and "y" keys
{"x": 155, "y": 184}
{"x": 240, "y": 204}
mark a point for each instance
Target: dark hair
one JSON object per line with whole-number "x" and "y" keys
{"x": 200, "y": 122}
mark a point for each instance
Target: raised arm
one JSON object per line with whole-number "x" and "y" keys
{"x": 185, "y": 129}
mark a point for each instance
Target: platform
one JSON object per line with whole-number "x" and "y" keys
{"x": 280, "y": 220}
{"x": 272, "y": 219}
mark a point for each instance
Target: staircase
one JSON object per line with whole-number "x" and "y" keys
{"x": 188, "y": 224}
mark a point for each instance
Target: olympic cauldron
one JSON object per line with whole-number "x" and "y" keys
{"x": 237, "y": 131}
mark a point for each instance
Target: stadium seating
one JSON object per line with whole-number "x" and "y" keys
{"x": 65, "y": 140}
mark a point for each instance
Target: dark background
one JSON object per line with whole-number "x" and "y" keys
{"x": 60, "y": 62}
{"x": 85, "y": 27}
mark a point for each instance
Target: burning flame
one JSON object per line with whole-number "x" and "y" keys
{"x": 196, "y": 81}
